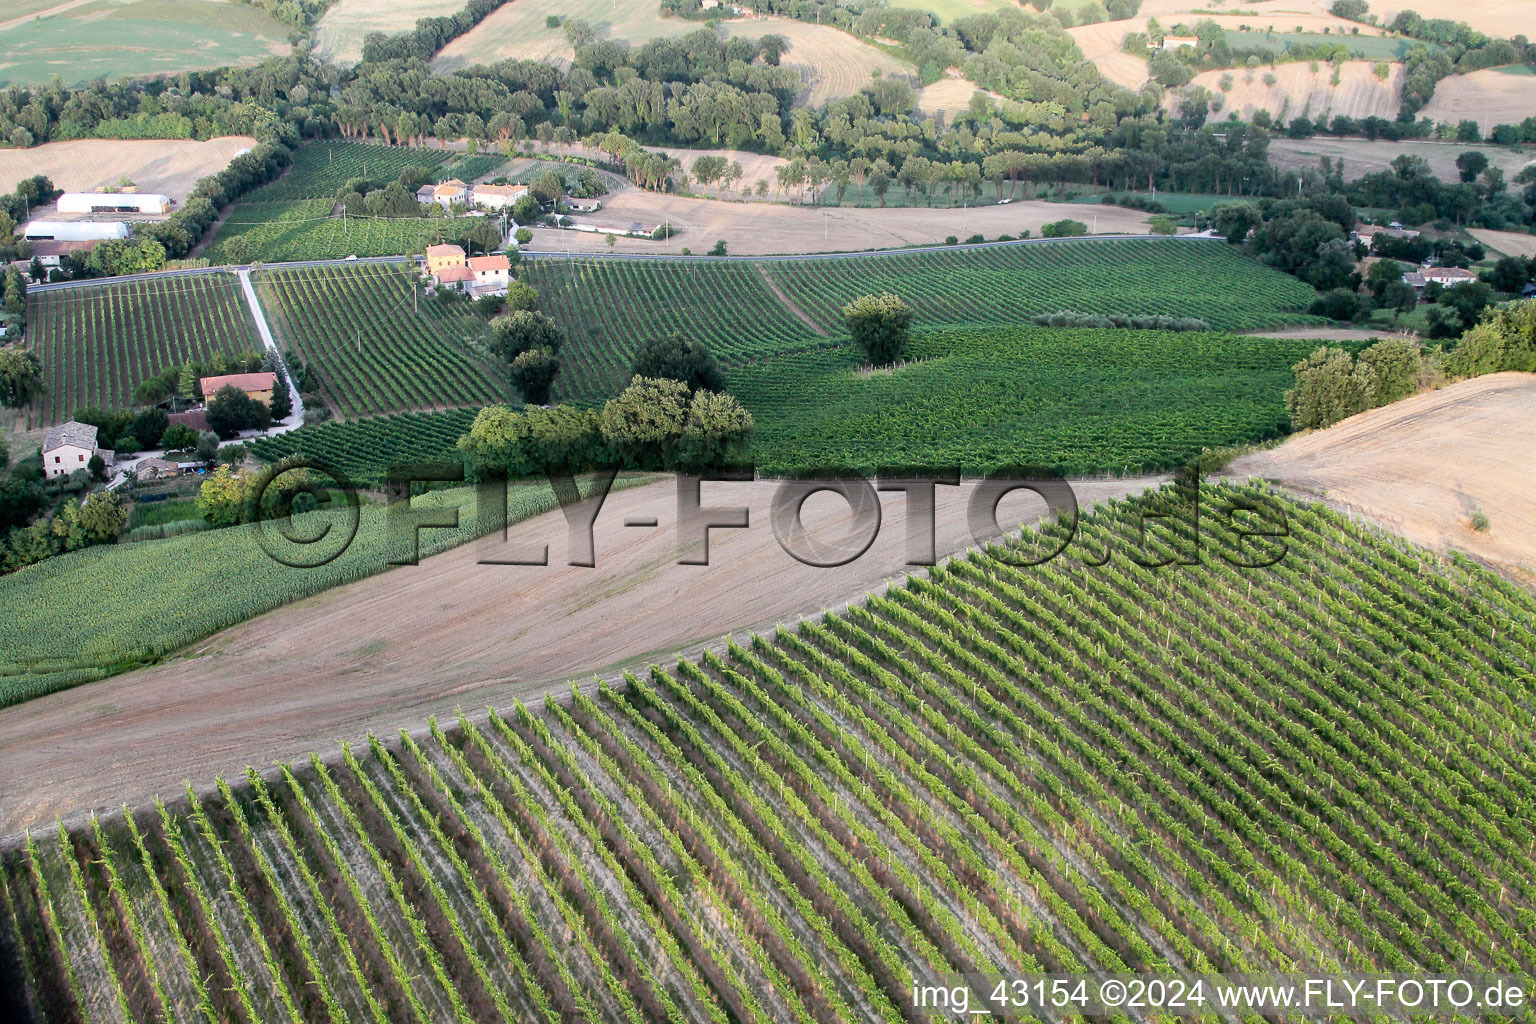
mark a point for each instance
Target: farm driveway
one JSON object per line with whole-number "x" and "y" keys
{"x": 388, "y": 651}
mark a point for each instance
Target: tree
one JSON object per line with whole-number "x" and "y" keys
{"x": 716, "y": 433}
{"x": 1328, "y": 389}
{"x": 1383, "y": 273}
{"x": 1064, "y": 229}
{"x": 151, "y": 392}
{"x": 1233, "y": 221}
{"x": 643, "y": 423}
{"x": 281, "y": 405}
{"x": 880, "y": 326}
{"x": 179, "y": 437}
{"x": 547, "y": 188}
{"x": 1339, "y": 304}
{"x": 484, "y": 234}
{"x": 1350, "y": 10}
{"x": 222, "y": 498}
{"x": 1510, "y": 274}
{"x": 232, "y": 410}
{"x": 520, "y": 295}
{"x": 102, "y": 516}
{"x": 21, "y": 377}
{"x": 98, "y": 468}
{"x": 1468, "y": 301}
{"x": 677, "y": 357}
{"x": 1471, "y": 163}
{"x": 522, "y": 235}
{"x": 186, "y": 384}
{"x": 207, "y": 446}
{"x": 149, "y": 425}
{"x": 526, "y": 210}
{"x": 1396, "y": 365}
{"x": 533, "y": 373}
{"x": 772, "y": 47}
{"x": 1399, "y": 297}
{"x": 524, "y": 329}
{"x": 1163, "y": 225}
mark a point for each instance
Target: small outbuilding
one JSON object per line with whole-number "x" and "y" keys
{"x": 255, "y": 385}
{"x": 115, "y": 202}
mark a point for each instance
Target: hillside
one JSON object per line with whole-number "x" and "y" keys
{"x": 989, "y": 770}
{"x": 1299, "y": 91}
{"x": 1422, "y": 466}
{"x": 1491, "y": 97}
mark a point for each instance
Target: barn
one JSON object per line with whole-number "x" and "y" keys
{"x": 115, "y": 202}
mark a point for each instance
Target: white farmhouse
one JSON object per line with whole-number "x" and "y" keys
{"x": 492, "y": 273}
{"x": 497, "y": 197}
{"x": 68, "y": 447}
{"x": 115, "y": 202}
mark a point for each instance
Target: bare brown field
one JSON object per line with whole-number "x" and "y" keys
{"x": 1421, "y": 467}
{"x": 759, "y": 229}
{"x": 169, "y": 167}
{"x": 1510, "y": 243}
{"x": 949, "y": 95}
{"x": 339, "y": 34}
{"x": 1363, "y": 157}
{"x": 1488, "y": 97}
{"x": 1301, "y": 92}
{"x": 832, "y": 64}
{"x": 388, "y": 651}
{"x": 1503, "y": 18}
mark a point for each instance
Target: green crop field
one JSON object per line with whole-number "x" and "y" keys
{"x": 1080, "y": 766}
{"x": 607, "y": 306}
{"x": 1388, "y": 48}
{"x": 165, "y": 594}
{"x": 98, "y": 342}
{"x": 1084, "y": 401}
{"x": 365, "y": 449}
{"x": 360, "y": 330}
{"x": 116, "y": 38}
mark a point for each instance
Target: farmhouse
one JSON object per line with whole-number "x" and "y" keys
{"x": 584, "y": 205}
{"x": 426, "y": 194}
{"x": 51, "y": 254}
{"x": 115, "y": 202}
{"x": 73, "y": 230}
{"x": 255, "y": 385}
{"x": 68, "y": 447}
{"x": 449, "y": 192}
{"x": 461, "y": 278}
{"x": 1180, "y": 42}
{"x": 491, "y": 273}
{"x": 442, "y": 257}
{"x": 157, "y": 469}
{"x": 1449, "y": 277}
{"x": 498, "y": 197}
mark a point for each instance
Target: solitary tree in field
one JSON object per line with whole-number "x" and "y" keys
{"x": 880, "y": 325}
{"x": 533, "y": 372}
{"x": 522, "y": 330}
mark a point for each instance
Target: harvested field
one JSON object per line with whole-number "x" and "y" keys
{"x": 1510, "y": 243}
{"x": 757, "y": 229}
{"x": 170, "y": 167}
{"x": 1502, "y": 18}
{"x": 833, "y": 64}
{"x": 1489, "y": 97}
{"x": 339, "y": 35}
{"x": 1422, "y": 466}
{"x": 397, "y": 647}
{"x": 1301, "y": 92}
{"x": 949, "y": 96}
{"x": 1363, "y": 157}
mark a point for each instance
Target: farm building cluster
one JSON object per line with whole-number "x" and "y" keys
{"x": 447, "y": 266}
{"x": 454, "y": 192}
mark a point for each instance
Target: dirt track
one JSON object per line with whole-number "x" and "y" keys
{"x": 388, "y": 651}
{"x": 1420, "y": 467}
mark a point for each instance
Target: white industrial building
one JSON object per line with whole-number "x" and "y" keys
{"x": 114, "y": 202}
{"x": 73, "y": 230}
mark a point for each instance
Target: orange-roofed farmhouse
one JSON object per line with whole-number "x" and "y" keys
{"x": 441, "y": 257}
{"x": 255, "y": 385}
{"x": 492, "y": 273}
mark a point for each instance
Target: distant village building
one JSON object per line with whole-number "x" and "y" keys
{"x": 497, "y": 197}
{"x": 73, "y": 230}
{"x": 115, "y": 202}
{"x": 255, "y": 385}
{"x": 68, "y": 447}
{"x": 1368, "y": 233}
{"x": 426, "y": 193}
{"x": 1180, "y": 42}
{"x": 584, "y": 205}
{"x": 157, "y": 469}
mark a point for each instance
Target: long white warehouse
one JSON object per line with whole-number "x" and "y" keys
{"x": 114, "y": 202}
{"x": 73, "y": 230}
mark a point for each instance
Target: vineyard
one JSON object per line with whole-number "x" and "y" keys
{"x": 1084, "y": 765}
{"x": 375, "y": 347}
{"x": 1082, "y": 401}
{"x": 608, "y": 307}
{"x": 365, "y": 449}
{"x": 306, "y": 230}
{"x": 98, "y": 343}
{"x": 744, "y": 310}
{"x": 320, "y": 169}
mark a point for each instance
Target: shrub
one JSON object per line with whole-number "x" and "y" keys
{"x": 1064, "y": 229}
{"x": 880, "y": 326}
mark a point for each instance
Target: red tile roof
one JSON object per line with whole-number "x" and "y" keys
{"x": 452, "y": 275}
{"x": 488, "y": 263}
{"x": 445, "y": 250}
{"x": 209, "y": 386}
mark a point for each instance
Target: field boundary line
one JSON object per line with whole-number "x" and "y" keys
{"x": 789, "y": 303}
